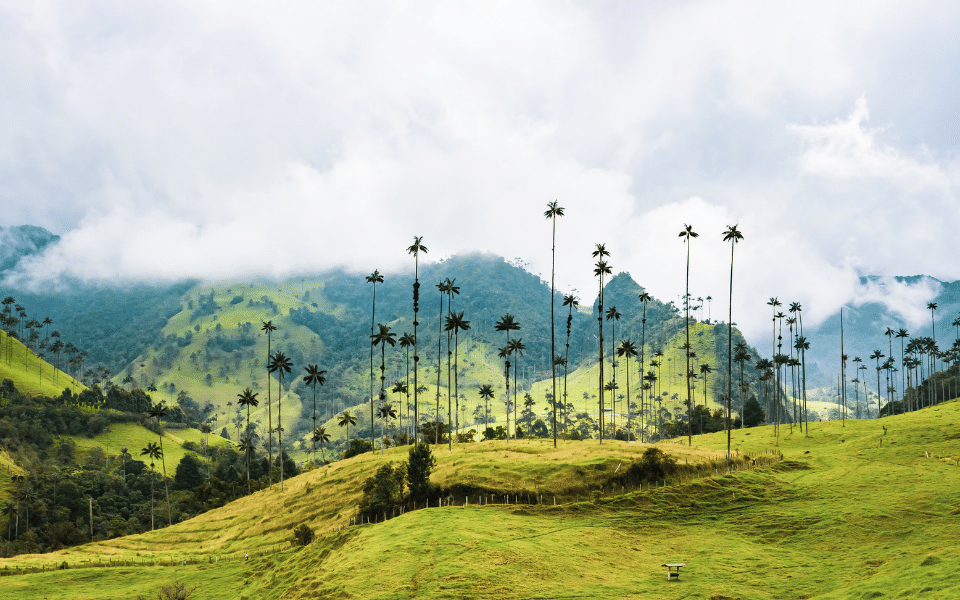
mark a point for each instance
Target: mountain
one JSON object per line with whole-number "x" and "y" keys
{"x": 19, "y": 242}
{"x": 885, "y": 303}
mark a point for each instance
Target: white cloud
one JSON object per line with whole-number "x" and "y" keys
{"x": 220, "y": 141}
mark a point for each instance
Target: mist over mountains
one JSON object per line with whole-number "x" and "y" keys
{"x": 116, "y": 323}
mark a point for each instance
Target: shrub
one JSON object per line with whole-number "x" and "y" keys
{"x": 420, "y": 464}
{"x": 383, "y": 493}
{"x": 176, "y": 591}
{"x": 303, "y": 535}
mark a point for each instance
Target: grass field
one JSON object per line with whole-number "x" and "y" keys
{"x": 135, "y": 437}
{"x": 32, "y": 375}
{"x": 868, "y": 510}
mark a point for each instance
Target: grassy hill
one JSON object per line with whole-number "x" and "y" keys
{"x": 214, "y": 347}
{"x": 862, "y": 511}
{"x": 31, "y": 374}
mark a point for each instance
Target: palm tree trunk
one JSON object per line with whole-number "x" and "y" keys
{"x": 373, "y": 319}
{"x": 279, "y": 424}
{"x": 686, "y": 303}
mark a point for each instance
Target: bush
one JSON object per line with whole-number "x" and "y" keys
{"x": 303, "y": 535}
{"x": 752, "y": 412}
{"x": 654, "y": 465}
{"x": 383, "y": 493}
{"x": 177, "y": 591}
{"x": 420, "y": 464}
{"x": 357, "y": 447}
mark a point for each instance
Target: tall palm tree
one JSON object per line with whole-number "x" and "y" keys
{"x": 507, "y": 323}
{"x": 732, "y": 235}
{"x": 627, "y": 350}
{"x": 314, "y": 377}
{"x": 152, "y": 452}
{"x": 903, "y": 334}
{"x": 571, "y": 301}
{"x": 280, "y": 364}
{"x": 795, "y": 307}
{"x": 373, "y": 278}
{"x": 877, "y": 356}
{"x": 504, "y": 353}
{"x": 452, "y": 290}
{"x": 486, "y": 393}
{"x": 599, "y": 270}
{"x": 159, "y": 411}
{"x": 406, "y": 341}
{"x": 856, "y": 381}
{"x": 687, "y": 233}
{"x": 346, "y": 420}
{"x": 320, "y": 436}
{"x": 613, "y": 315}
{"x": 268, "y": 328}
{"x": 553, "y": 211}
{"x": 415, "y": 249}
{"x": 443, "y": 287}
{"x": 516, "y": 347}
{"x": 383, "y": 337}
{"x": 933, "y": 371}
{"x": 386, "y": 412}
{"x": 456, "y": 323}
{"x": 247, "y": 446}
{"x": 247, "y": 398}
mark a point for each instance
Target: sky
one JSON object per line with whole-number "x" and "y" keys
{"x": 227, "y": 140}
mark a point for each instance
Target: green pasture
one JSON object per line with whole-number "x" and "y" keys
{"x": 32, "y": 375}
{"x": 135, "y": 437}
{"x": 865, "y": 510}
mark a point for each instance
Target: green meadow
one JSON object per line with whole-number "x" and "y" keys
{"x": 865, "y": 510}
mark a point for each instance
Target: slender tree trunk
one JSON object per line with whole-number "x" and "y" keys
{"x": 270, "y": 418}
{"x": 553, "y": 352}
{"x": 373, "y": 319}
{"x": 686, "y": 303}
{"x": 279, "y": 424}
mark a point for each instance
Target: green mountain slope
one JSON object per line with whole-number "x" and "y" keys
{"x": 31, "y": 374}
{"x": 866, "y": 510}
{"x": 213, "y": 347}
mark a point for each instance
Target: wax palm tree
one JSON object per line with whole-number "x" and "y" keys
{"x": 452, "y": 290}
{"x": 373, "y": 278}
{"x": 152, "y": 452}
{"x": 320, "y": 436}
{"x": 415, "y": 249}
{"x": 507, "y": 323}
{"x": 247, "y": 445}
{"x": 573, "y": 302}
{"x": 504, "y": 353}
{"x": 456, "y": 323}
{"x": 346, "y": 420}
{"x": 486, "y": 393}
{"x": 406, "y": 341}
{"x": 383, "y": 337}
{"x": 599, "y": 270}
{"x": 247, "y": 398}
{"x": 903, "y": 334}
{"x": 613, "y": 315}
{"x": 553, "y": 211}
{"x": 687, "y": 233}
{"x": 268, "y": 328}
{"x": 442, "y": 287}
{"x": 933, "y": 370}
{"x": 314, "y": 377}
{"x": 159, "y": 411}
{"x": 877, "y": 356}
{"x": 627, "y": 350}
{"x": 386, "y": 412}
{"x": 732, "y": 235}
{"x": 280, "y": 364}
{"x": 516, "y": 347}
